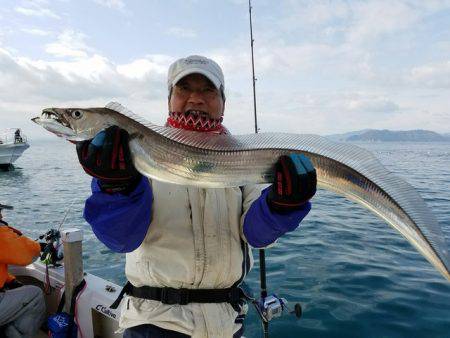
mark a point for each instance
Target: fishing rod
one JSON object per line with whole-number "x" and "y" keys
{"x": 53, "y": 231}
{"x": 65, "y": 215}
{"x": 268, "y": 307}
{"x": 262, "y": 253}
{"x": 253, "y": 68}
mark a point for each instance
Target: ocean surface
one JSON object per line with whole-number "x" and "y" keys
{"x": 353, "y": 274}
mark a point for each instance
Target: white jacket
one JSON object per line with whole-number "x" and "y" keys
{"x": 194, "y": 241}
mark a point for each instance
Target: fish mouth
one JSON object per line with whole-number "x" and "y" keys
{"x": 50, "y": 115}
{"x": 55, "y": 123}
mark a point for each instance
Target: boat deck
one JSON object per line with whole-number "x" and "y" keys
{"x": 95, "y": 318}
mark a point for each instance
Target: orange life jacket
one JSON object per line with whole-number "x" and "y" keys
{"x": 15, "y": 249}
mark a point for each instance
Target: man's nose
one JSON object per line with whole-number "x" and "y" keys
{"x": 196, "y": 97}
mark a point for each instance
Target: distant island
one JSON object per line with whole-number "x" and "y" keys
{"x": 374, "y": 135}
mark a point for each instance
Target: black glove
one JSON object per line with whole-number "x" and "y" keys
{"x": 295, "y": 183}
{"x": 48, "y": 252}
{"x": 107, "y": 157}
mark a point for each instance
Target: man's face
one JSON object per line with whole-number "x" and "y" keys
{"x": 195, "y": 92}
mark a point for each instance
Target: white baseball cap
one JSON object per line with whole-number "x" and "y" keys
{"x": 192, "y": 65}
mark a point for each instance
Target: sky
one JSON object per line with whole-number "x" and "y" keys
{"x": 322, "y": 67}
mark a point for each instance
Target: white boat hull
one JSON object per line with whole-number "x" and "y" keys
{"x": 10, "y": 152}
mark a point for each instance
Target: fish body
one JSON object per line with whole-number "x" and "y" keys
{"x": 217, "y": 161}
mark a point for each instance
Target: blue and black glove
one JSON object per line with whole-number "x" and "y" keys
{"x": 107, "y": 158}
{"x": 295, "y": 183}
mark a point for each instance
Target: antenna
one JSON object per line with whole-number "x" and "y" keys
{"x": 262, "y": 253}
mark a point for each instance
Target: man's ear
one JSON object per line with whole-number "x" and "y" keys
{"x": 169, "y": 97}
{"x": 168, "y": 103}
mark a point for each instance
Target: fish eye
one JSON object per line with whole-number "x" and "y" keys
{"x": 76, "y": 114}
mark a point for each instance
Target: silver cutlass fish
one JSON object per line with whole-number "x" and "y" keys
{"x": 190, "y": 158}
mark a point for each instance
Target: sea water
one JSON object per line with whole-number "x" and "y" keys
{"x": 352, "y": 273}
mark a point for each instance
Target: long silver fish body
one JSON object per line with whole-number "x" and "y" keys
{"x": 206, "y": 160}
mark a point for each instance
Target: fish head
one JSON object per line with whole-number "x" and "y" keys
{"x": 74, "y": 124}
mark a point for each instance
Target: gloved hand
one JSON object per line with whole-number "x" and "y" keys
{"x": 295, "y": 183}
{"x": 107, "y": 157}
{"x": 49, "y": 253}
{"x": 43, "y": 246}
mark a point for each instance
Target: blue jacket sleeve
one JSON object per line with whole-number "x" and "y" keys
{"x": 120, "y": 221}
{"x": 263, "y": 226}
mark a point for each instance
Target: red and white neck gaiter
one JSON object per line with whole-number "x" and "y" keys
{"x": 196, "y": 121}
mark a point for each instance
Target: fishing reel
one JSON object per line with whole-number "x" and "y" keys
{"x": 52, "y": 249}
{"x": 51, "y": 236}
{"x": 272, "y": 306}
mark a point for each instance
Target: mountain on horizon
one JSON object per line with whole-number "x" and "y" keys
{"x": 345, "y": 136}
{"x": 375, "y": 135}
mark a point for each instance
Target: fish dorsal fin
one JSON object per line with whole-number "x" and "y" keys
{"x": 118, "y": 108}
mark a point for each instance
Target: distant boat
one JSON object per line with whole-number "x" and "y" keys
{"x": 12, "y": 144}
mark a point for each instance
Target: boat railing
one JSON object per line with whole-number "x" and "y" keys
{"x": 8, "y": 138}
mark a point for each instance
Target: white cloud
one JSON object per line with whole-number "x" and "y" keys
{"x": 140, "y": 68}
{"x": 349, "y": 37}
{"x": 36, "y": 8}
{"x": 36, "y": 31}
{"x": 436, "y": 75}
{"x": 182, "y": 32}
{"x": 30, "y": 85}
{"x": 361, "y": 22}
{"x": 373, "y": 19}
{"x": 372, "y": 105}
{"x": 79, "y": 79}
{"x": 316, "y": 13}
{"x": 113, "y": 4}
{"x": 70, "y": 43}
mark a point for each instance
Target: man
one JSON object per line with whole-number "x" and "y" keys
{"x": 22, "y": 307}
{"x": 17, "y": 136}
{"x": 187, "y": 247}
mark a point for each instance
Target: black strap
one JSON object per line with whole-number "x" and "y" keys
{"x": 125, "y": 290}
{"x": 76, "y": 291}
{"x": 173, "y": 296}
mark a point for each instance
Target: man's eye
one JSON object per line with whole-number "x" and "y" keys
{"x": 209, "y": 90}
